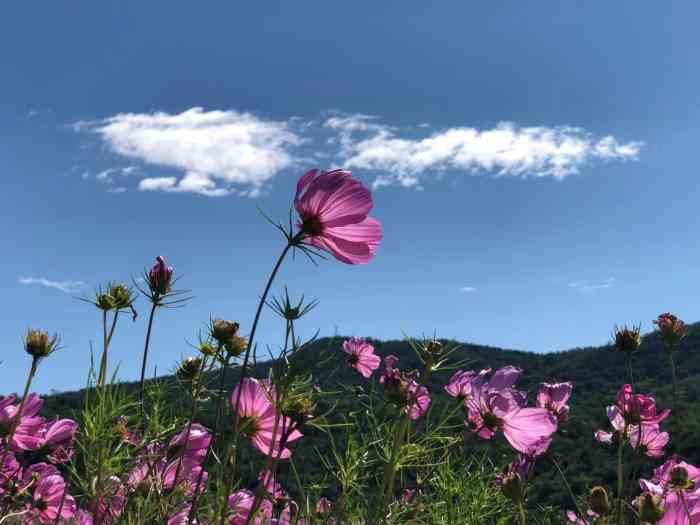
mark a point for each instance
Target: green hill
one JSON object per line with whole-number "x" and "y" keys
{"x": 596, "y": 373}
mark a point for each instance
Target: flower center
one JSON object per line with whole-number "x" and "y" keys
{"x": 312, "y": 226}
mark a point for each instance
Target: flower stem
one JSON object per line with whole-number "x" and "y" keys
{"x": 554, "y": 462}
{"x": 522, "y": 513}
{"x": 390, "y": 470}
{"x": 106, "y": 340}
{"x": 244, "y": 369}
{"x": 145, "y": 351}
{"x": 620, "y": 478}
{"x": 675, "y": 383}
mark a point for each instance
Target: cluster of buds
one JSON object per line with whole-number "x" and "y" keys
{"x": 226, "y": 334}
{"x": 671, "y": 328}
{"x": 117, "y": 297}
{"x": 627, "y": 340}
{"x": 39, "y": 344}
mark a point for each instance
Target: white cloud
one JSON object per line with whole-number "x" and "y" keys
{"x": 467, "y": 289}
{"x": 63, "y": 286}
{"x": 506, "y": 150}
{"x": 588, "y": 286}
{"x": 211, "y": 147}
{"x": 217, "y": 153}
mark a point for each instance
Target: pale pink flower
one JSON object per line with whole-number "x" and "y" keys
{"x": 617, "y": 421}
{"x": 362, "y": 357}
{"x": 333, "y": 208}
{"x": 553, "y": 397}
{"x": 324, "y": 506}
{"x": 574, "y": 518}
{"x": 495, "y": 405}
{"x": 48, "y": 498}
{"x": 649, "y": 440}
{"x": 403, "y": 390}
{"x": 418, "y": 400}
{"x": 460, "y": 384}
{"x": 241, "y": 503}
{"x": 258, "y": 416}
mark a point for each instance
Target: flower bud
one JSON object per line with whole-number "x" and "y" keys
{"x": 679, "y": 478}
{"x": 189, "y": 369}
{"x": 224, "y": 331}
{"x": 207, "y": 349}
{"x": 38, "y": 344}
{"x": 160, "y": 277}
{"x": 121, "y": 296}
{"x": 434, "y": 347}
{"x": 598, "y": 500}
{"x": 512, "y": 487}
{"x": 649, "y": 508}
{"x": 236, "y": 346}
{"x": 104, "y": 301}
{"x": 671, "y": 328}
{"x": 627, "y": 339}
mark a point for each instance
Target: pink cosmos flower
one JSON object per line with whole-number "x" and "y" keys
{"x": 259, "y": 414}
{"x": 460, "y": 384}
{"x": 181, "y": 517}
{"x": 192, "y": 445}
{"x": 111, "y": 504}
{"x": 10, "y": 470}
{"x": 48, "y": 498}
{"x": 58, "y": 438}
{"x": 572, "y": 517}
{"x": 553, "y": 397}
{"x": 362, "y": 357}
{"x": 639, "y": 408}
{"x": 333, "y": 208}
{"x": 403, "y": 390}
{"x": 678, "y": 484}
{"x": 241, "y": 504}
{"x": 160, "y": 277}
{"x": 83, "y": 518}
{"x": 617, "y": 421}
{"x": 495, "y": 405}
{"x": 27, "y": 435}
{"x": 649, "y": 440}
{"x": 324, "y": 506}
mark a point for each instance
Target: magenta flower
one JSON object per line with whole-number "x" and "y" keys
{"x": 27, "y": 435}
{"x": 181, "y": 517}
{"x": 362, "y": 357}
{"x": 48, "y": 498}
{"x": 58, "y": 437}
{"x": 617, "y": 421}
{"x": 112, "y": 501}
{"x": 333, "y": 208}
{"x": 677, "y": 484}
{"x": 553, "y": 397}
{"x": 241, "y": 505}
{"x": 639, "y": 408}
{"x": 192, "y": 446}
{"x": 324, "y": 506}
{"x": 258, "y": 415}
{"x": 496, "y": 406}
{"x": 83, "y": 518}
{"x": 460, "y": 384}
{"x": 403, "y": 390}
{"x": 160, "y": 277}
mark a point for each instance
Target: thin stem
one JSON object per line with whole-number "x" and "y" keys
{"x": 675, "y": 383}
{"x": 244, "y": 369}
{"x": 390, "y": 470}
{"x": 554, "y": 462}
{"x": 629, "y": 370}
{"x": 107, "y": 339}
{"x": 222, "y": 383}
{"x": 522, "y": 513}
{"x": 620, "y": 478}
{"x": 145, "y": 351}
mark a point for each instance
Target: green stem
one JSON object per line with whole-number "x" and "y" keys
{"x": 620, "y": 478}
{"x": 244, "y": 369}
{"x": 390, "y": 470}
{"x": 107, "y": 339}
{"x": 145, "y": 351}
{"x": 522, "y": 513}
{"x": 554, "y": 462}
{"x": 675, "y": 383}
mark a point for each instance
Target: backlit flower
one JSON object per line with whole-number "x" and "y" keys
{"x": 362, "y": 357}
{"x": 553, "y": 397}
{"x": 333, "y": 209}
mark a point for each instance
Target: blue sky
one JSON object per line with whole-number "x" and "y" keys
{"x": 534, "y": 164}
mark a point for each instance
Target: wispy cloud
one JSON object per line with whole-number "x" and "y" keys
{"x": 505, "y": 150}
{"x": 467, "y": 289}
{"x": 226, "y": 152}
{"x": 216, "y": 150}
{"x": 588, "y": 286}
{"x": 63, "y": 286}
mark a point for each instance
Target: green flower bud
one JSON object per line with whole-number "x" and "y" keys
{"x": 598, "y": 501}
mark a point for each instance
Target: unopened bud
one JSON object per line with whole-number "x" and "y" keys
{"x": 224, "y": 331}
{"x": 627, "y": 339}
{"x": 679, "y": 478}
{"x": 512, "y": 487}
{"x": 121, "y": 296}
{"x": 104, "y": 301}
{"x": 649, "y": 508}
{"x": 434, "y": 347}
{"x": 671, "y": 328}
{"x": 598, "y": 501}
{"x": 207, "y": 349}
{"x": 38, "y": 344}
{"x": 236, "y": 346}
{"x": 160, "y": 277}
{"x": 189, "y": 368}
